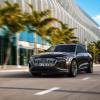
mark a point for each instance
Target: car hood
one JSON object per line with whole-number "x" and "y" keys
{"x": 54, "y": 54}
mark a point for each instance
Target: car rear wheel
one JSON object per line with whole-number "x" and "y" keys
{"x": 90, "y": 67}
{"x": 73, "y": 69}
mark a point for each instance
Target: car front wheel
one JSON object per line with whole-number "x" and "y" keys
{"x": 73, "y": 69}
{"x": 90, "y": 67}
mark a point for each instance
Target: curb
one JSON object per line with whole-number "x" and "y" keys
{"x": 96, "y": 65}
{"x": 13, "y": 67}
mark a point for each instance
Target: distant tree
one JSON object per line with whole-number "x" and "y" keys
{"x": 94, "y": 48}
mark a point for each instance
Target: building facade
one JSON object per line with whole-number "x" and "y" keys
{"x": 65, "y": 10}
{"x": 70, "y": 13}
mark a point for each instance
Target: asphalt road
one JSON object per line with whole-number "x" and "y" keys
{"x": 20, "y": 85}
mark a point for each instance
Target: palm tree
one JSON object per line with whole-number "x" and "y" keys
{"x": 68, "y": 33}
{"x": 11, "y": 17}
{"x": 15, "y": 20}
{"x": 55, "y": 35}
{"x": 38, "y": 22}
{"x": 94, "y": 48}
{"x": 97, "y": 44}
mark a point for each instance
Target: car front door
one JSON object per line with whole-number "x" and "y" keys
{"x": 81, "y": 57}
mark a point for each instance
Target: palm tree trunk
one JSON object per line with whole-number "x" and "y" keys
{"x": 35, "y": 44}
{"x": 35, "y": 48}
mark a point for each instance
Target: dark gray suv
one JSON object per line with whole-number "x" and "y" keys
{"x": 62, "y": 59}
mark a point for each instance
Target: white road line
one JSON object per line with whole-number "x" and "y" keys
{"x": 86, "y": 78}
{"x": 47, "y": 91}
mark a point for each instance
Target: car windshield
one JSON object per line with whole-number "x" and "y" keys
{"x": 62, "y": 48}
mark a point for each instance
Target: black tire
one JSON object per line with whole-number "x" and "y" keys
{"x": 73, "y": 69}
{"x": 90, "y": 67}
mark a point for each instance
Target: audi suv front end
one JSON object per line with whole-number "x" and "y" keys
{"x": 61, "y": 59}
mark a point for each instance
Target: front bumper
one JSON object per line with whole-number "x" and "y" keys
{"x": 48, "y": 70}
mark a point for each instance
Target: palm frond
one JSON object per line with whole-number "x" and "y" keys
{"x": 8, "y": 3}
{"x": 45, "y": 13}
{"x": 47, "y": 21}
{"x": 51, "y": 29}
{"x": 30, "y": 5}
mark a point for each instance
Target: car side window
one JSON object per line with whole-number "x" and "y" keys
{"x": 80, "y": 49}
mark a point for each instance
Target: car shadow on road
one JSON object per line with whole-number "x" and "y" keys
{"x": 28, "y": 75}
{"x": 60, "y": 90}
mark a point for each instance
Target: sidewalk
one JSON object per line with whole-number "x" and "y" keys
{"x": 13, "y": 67}
{"x": 97, "y": 65}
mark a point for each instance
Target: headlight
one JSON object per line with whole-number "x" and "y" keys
{"x": 65, "y": 58}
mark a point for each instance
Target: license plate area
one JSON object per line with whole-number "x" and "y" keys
{"x": 44, "y": 62}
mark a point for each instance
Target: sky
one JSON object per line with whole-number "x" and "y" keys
{"x": 91, "y": 7}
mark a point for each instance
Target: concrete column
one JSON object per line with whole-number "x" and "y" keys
{"x": 17, "y": 50}
{"x": 23, "y": 5}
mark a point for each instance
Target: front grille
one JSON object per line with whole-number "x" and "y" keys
{"x": 44, "y": 62}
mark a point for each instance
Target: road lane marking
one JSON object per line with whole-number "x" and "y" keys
{"x": 86, "y": 78}
{"x": 47, "y": 91}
